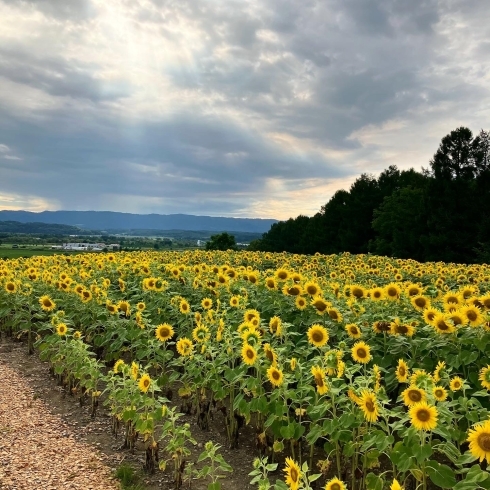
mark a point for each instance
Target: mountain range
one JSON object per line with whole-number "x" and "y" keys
{"x": 109, "y": 220}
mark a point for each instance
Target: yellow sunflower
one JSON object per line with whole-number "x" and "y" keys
{"x": 293, "y": 474}
{"x": 184, "y": 307}
{"x": 381, "y": 327}
{"x": 442, "y": 324}
{"x": 423, "y": 416}
{"x": 317, "y": 335}
{"x": 335, "y": 484}
{"x": 61, "y": 329}
{"x": 456, "y": 383}
{"x": 353, "y": 331}
{"x": 413, "y": 395}
{"x": 473, "y": 314}
{"x": 392, "y": 291}
{"x": 395, "y": 485}
{"x": 479, "y": 439}
{"x": 300, "y": 303}
{"x": 10, "y": 287}
{"x": 440, "y": 394}
{"x": 399, "y": 328}
{"x": 320, "y": 305}
{"x": 207, "y": 303}
{"x": 249, "y": 354}
{"x": 47, "y": 304}
{"x": 275, "y": 376}
{"x": 484, "y": 377}
{"x": 275, "y": 326}
{"x": 118, "y": 364}
{"x": 402, "y": 372}
{"x": 319, "y": 376}
{"x": 141, "y": 306}
{"x": 368, "y": 405}
{"x": 185, "y": 347}
{"x": 377, "y": 294}
{"x": 251, "y": 315}
{"x": 312, "y": 289}
{"x": 334, "y": 314}
{"x": 134, "y": 370}
{"x": 361, "y": 352}
{"x": 124, "y": 307}
{"x": 201, "y": 334}
{"x": 164, "y": 332}
{"x": 144, "y": 383}
{"x": 420, "y": 302}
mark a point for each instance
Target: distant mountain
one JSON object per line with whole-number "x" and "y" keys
{"x": 38, "y": 228}
{"x": 108, "y": 220}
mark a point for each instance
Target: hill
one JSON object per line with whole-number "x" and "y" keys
{"x": 108, "y": 221}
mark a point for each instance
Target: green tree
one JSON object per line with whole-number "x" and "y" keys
{"x": 223, "y": 241}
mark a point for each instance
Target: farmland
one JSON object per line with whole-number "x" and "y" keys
{"x": 359, "y": 372}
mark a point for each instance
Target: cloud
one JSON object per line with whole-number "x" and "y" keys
{"x": 260, "y": 108}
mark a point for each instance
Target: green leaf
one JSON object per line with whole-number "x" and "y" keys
{"x": 374, "y": 482}
{"x": 440, "y": 474}
{"x": 214, "y": 486}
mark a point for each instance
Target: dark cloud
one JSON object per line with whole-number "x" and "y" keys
{"x": 214, "y": 107}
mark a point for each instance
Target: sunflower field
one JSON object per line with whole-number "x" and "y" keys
{"x": 355, "y": 371}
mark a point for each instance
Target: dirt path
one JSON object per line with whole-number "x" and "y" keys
{"x": 38, "y": 451}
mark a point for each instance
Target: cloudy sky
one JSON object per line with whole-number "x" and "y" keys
{"x": 247, "y": 108}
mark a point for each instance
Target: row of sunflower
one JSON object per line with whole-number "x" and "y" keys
{"x": 374, "y": 370}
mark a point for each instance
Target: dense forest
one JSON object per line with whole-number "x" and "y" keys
{"x": 441, "y": 213}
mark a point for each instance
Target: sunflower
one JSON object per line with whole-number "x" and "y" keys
{"x": 398, "y": 328}
{"x": 164, "y": 332}
{"x": 440, "y": 394}
{"x": 392, "y": 291}
{"x": 484, "y": 377}
{"x": 144, "y": 383}
{"x": 413, "y": 395}
{"x": 320, "y": 305}
{"x": 361, "y": 352}
{"x": 456, "y": 384}
{"x": 437, "y": 371}
{"x": 395, "y": 485}
{"x": 185, "y": 346}
{"x": 10, "y": 287}
{"x": 141, "y": 306}
{"x": 479, "y": 439}
{"x": 275, "y": 376}
{"x": 429, "y": 315}
{"x": 312, "y": 288}
{"x": 420, "y": 302}
{"x": 473, "y": 314}
{"x": 368, "y": 405}
{"x": 413, "y": 290}
{"x": 77, "y": 335}
{"x": 353, "y": 331}
{"x": 300, "y": 303}
{"x": 86, "y": 296}
{"x": 294, "y": 290}
{"x": 293, "y": 474}
{"x": 293, "y": 363}
{"x": 47, "y": 304}
{"x": 402, "y": 372}
{"x": 275, "y": 326}
{"x": 207, "y": 303}
{"x": 319, "y": 376}
{"x": 457, "y": 318}
{"x": 118, "y": 364}
{"x": 317, "y": 335}
{"x": 61, "y": 329}
{"x": 377, "y": 294}
{"x": 381, "y": 327}
{"x": 281, "y": 274}
{"x": 452, "y": 297}
{"x": 249, "y": 354}
{"x": 335, "y": 484}
{"x": 334, "y": 314}
{"x": 251, "y": 336}
{"x": 270, "y": 283}
{"x": 270, "y": 354}
{"x": 441, "y": 323}
{"x": 184, "y": 307}
{"x": 423, "y": 416}
{"x": 250, "y": 315}
{"x": 124, "y": 307}
{"x": 235, "y": 301}
{"x": 134, "y": 370}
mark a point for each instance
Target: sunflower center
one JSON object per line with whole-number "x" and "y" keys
{"x": 10, "y": 286}
{"x": 311, "y": 290}
{"x": 336, "y": 486}
{"x": 146, "y": 383}
{"x": 361, "y": 352}
{"x": 370, "y": 406}
{"x": 47, "y": 303}
{"x": 294, "y": 475}
{"x": 320, "y": 306}
{"x": 317, "y": 336}
{"x": 357, "y": 292}
{"x": 415, "y": 396}
{"x": 319, "y": 380}
{"x": 431, "y": 316}
{"x": 423, "y": 415}
{"x": 402, "y": 371}
{"x": 472, "y": 316}
{"x": 392, "y": 292}
{"x": 282, "y": 276}
{"x": 276, "y": 375}
{"x": 333, "y": 314}
{"x": 441, "y": 325}
{"x": 484, "y": 441}
{"x": 250, "y": 354}
{"x": 377, "y": 294}
{"x": 403, "y": 329}
{"x": 353, "y": 330}
{"x": 164, "y": 332}
{"x": 420, "y": 302}
{"x": 438, "y": 393}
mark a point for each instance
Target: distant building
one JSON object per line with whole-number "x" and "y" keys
{"x": 84, "y": 247}
{"x": 201, "y": 243}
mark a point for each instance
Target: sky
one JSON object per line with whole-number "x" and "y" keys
{"x": 245, "y": 108}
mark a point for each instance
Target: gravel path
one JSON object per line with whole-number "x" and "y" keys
{"x": 37, "y": 449}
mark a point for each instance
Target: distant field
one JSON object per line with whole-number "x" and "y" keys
{"x": 7, "y": 252}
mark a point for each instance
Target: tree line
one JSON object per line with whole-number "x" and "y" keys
{"x": 441, "y": 213}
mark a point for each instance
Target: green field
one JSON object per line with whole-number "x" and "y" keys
{"x": 7, "y": 252}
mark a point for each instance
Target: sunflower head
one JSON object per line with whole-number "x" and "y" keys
{"x": 479, "y": 439}
{"x": 423, "y": 416}
{"x": 361, "y": 352}
{"x": 164, "y": 332}
{"x": 249, "y": 354}
{"x": 317, "y": 335}
{"x": 275, "y": 376}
